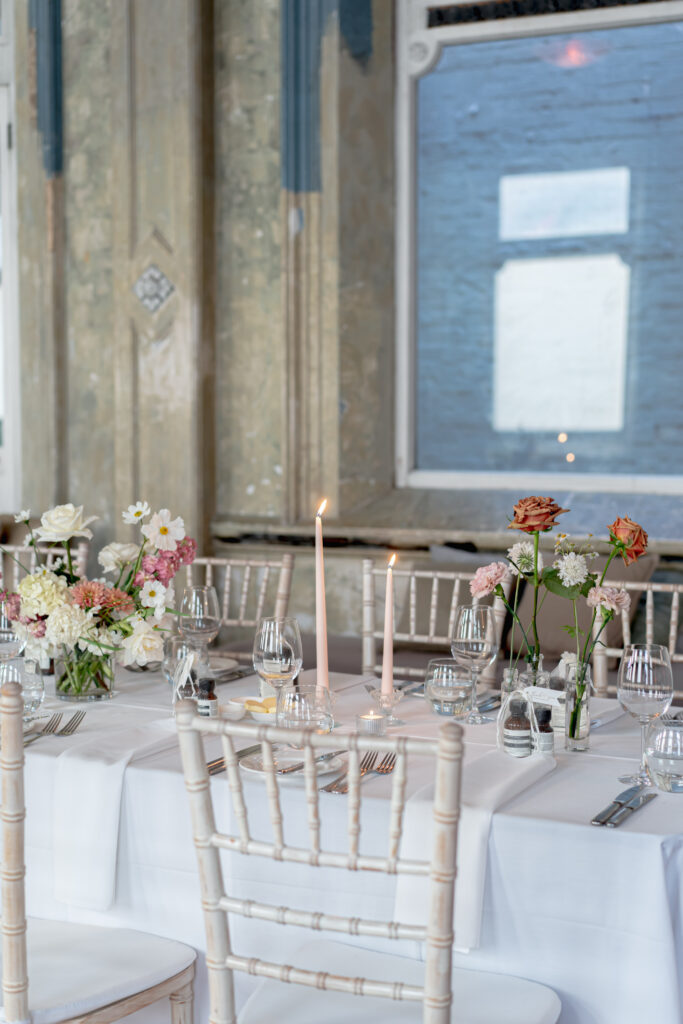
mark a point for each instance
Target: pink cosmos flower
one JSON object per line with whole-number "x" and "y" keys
{"x": 487, "y": 578}
{"x": 610, "y": 598}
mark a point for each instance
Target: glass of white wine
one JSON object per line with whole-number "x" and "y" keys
{"x": 277, "y": 653}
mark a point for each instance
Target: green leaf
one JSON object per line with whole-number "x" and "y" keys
{"x": 555, "y": 586}
{"x": 570, "y": 629}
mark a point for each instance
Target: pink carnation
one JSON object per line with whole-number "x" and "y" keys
{"x": 487, "y": 578}
{"x": 610, "y": 598}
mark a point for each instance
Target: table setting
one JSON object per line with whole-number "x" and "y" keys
{"x": 558, "y": 819}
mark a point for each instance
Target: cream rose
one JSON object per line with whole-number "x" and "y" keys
{"x": 62, "y": 522}
{"x": 144, "y": 644}
{"x": 114, "y": 556}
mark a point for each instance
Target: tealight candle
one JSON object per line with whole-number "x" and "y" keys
{"x": 371, "y": 722}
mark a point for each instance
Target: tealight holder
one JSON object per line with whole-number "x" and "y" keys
{"x": 387, "y": 703}
{"x": 372, "y": 723}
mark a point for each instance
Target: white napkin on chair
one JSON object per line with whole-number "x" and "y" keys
{"x": 87, "y": 809}
{"x": 489, "y": 782}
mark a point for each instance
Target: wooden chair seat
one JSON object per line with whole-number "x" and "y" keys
{"x": 75, "y": 968}
{"x": 478, "y": 996}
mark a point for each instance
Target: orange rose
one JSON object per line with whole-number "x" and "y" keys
{"x": 631, "y": 535}
{"x": 535, "y": 514}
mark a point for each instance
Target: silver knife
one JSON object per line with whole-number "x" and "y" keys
{"x": 627, "y": 810}
{"x": 300, "y": 764}
{"x": 616, "y": 805}
{"x": 218, "y": 764}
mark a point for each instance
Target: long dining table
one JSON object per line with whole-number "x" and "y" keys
{"x": 594, "y": 913}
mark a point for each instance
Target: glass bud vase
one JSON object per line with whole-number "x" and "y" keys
{"x": 577, "y": 720}
{"x": 534, "y": 676}
{"x": 83, "y": 675}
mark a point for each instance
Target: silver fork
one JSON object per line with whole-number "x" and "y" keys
{"x": 70, "y": 728}
{"x": 341, "y": 783}
{"x": 386, "y": 765}
{"x": 49, "y": 728}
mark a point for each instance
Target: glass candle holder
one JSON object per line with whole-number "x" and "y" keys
{"x": 372, "y": 723}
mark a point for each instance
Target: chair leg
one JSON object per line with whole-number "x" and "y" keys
{"x": 182, "y": 1005}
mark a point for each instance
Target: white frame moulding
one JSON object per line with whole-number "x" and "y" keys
{"x": 417, "y": 52}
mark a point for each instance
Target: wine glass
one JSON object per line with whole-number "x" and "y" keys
{"x": 645, "y": 690}
{"x": 305, "y": 706}
{"x": 475, "y": 645}
{"x": 176, "y": 648}
{"x": 199, "y": 618}
{"x": 10, "y": 644}
{"x": 277, "y": 653}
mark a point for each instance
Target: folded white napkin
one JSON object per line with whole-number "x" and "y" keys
{"x": 87, "y": 808}
{"x": 489, "y": 782}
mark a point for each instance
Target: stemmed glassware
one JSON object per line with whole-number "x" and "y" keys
{"x": 645, "y": 690}
{"x": 474, "y": 644}
{"x": 277, "y": 653}
{"x": 199, "y": 618}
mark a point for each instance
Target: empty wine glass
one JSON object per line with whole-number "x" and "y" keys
{"x": 10, "y": 644}
{"x": 277, "y": 653}
{"x": 645, "y": 690}
{"x": 305, "y": 706}
{"x": 199, "y": 618}
{"x": 475, "y": 645}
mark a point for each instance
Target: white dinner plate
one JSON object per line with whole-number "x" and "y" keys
{"x": 221, "y": 662}
{"x": 253, "y": 764}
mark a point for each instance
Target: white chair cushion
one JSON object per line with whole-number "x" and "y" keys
{"x": 76, "y": 968}
{"x": 478, "y": 997}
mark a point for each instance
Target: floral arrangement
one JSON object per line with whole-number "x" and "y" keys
{"x": 85, "y": 623}
{"x": 569, "y": 576}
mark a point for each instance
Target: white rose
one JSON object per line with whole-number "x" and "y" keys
{"x": 63, "y": 522}
{"x": 144, "y": 644}
{"x": 114, "y": 556}
{"x": 67, "y": 625}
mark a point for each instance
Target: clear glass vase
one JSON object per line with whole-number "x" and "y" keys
{"x": 577, "y": 719}
{"x": 82, "y": 675}
{"x": 534, "y": 676}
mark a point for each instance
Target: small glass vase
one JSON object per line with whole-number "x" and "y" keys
{"x": 533, "y": 676}
{"x": 577, "y": 718}
{"x": 82, "y": 675}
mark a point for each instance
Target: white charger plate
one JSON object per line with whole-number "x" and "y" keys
{"x": 253, "y": 764}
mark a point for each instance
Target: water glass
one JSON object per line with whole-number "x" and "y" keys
{"x": 28, "y": 674}
{"x": 10, "y": 645}
{"x": 277, "y": 653}
{"x": 199, "y": 618}
{"x": 645, "y": 690}
{"x": 176, "y": 648}
{"x": 449, "y": 688}
{"x": 474, "y": 645}
{"x": 305, "y": 706}
{"x": 664, "y": 753}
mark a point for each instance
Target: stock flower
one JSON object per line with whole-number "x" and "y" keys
{"x": 145, "y": 643}
{"x": 114, "y": 556}
{"x": 135, "y": 513}
{"x": 42, "y": 593}
{"x": 63, "y": 522}
{"x": 521, "y": 556}
{"x": 535, "y": 514}
{"x": 631, "y": 535}
{"x": 23, "y": 516}
{"x": 163, "y": 532}
{"x": 12, "y": 605}
{"x": 611, "y": 599}
{"x": 487, "y": 578}
{"x": 572, "y": 569}
{"x": 187, "y": 550}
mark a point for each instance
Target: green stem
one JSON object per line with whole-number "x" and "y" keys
{"x": 537, "y": 644}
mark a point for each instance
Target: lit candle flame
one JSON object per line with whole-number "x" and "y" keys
{"x": 323, "y": 506}
{"x": 392, "y": 560}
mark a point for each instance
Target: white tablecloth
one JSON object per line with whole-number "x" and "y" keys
{"x": 596, "y": 914}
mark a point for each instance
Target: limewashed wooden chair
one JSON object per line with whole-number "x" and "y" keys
{"x": 332, "y": 984}
{"x": 79, "y": 974}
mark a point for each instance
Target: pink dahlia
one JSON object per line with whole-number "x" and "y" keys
{"x": 90, "y": 594}
{"x": 487, "y": 578}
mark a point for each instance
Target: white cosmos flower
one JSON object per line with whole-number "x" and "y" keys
{"x": 23, "y": 516}
{"x": 164, "y": 532}
{"x": 135, "y": 513}
{"x": 114, "y": 556}
{"x": 146, "y": 643}
{"x": 154, "y": 595}
{"x": 63, "y": 522}
{"x": 521, "y": 556}
{"x": 572, "y": 569}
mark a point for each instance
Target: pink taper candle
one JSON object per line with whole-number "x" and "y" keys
{"x": 322, "y": 670}
{"x": 388, "y": 652}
